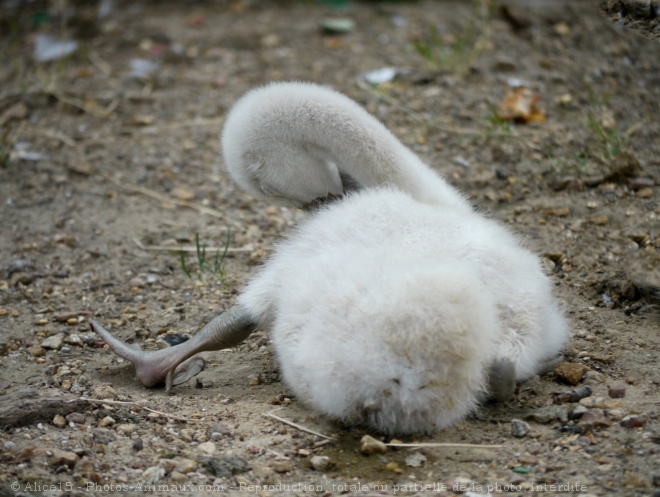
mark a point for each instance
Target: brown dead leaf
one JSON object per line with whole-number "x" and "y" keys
{"x": 521, "y": 105}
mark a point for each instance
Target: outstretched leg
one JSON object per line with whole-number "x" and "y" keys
{"x": 502, "y": 377}
{"x": 176, "y": 364}
{"x": 501, "y": 380}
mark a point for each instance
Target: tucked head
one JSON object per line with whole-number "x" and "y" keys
{"x": 268, "y": 155}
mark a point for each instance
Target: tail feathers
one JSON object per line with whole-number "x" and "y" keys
{"x": 418, "y": 361}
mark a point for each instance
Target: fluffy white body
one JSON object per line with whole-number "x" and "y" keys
{"x": 389, "y": 311}
{"x": 397, "y": 306}
{"x": 389, "y": 306}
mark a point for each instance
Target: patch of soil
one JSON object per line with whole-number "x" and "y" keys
{"x": 638, "y": 16}
{"x": 108, "y": 171}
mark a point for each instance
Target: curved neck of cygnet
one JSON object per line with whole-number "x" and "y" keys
{"x": 362, "y": 148}
{"x": 297, "y": 140}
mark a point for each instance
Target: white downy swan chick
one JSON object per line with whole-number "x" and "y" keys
{"x": 398, "y": 307}
{"x": 390, "y": 312}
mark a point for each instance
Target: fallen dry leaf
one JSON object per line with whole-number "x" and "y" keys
{"x": 521, "y": 105}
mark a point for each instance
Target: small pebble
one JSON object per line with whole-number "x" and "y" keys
{"x": 617, "y": 391}
{"x": 220, "y": 428}
{"x": 103, "y": 435}
{"x": 107, "y": 421}
{"x": 152, "y": 475}
{"x": 178, "y": 477}
{"x": 320, "y": 463}
{"x": 633, "y": 422}
{"x": 549, "y": 414}
{"x": 573, "y": 395}
{"x": 519, "y": 428}
{"x": 137, "y": 282}
{"x": 183, "y": 193}
{"x": 64, "y": 317}
{"x": 644, "y": 193}
{"x": 578, "y": 412}
{"x": 562, "y": 29}
{"x": 208, "y": 447}
{"x": 53, "y": 342}
{"x": 595, "y": 419}
{"x": 59, "y": 421}
{"x": 138, "y": 445}
{"x": 600, "y": 220}
{"x": 337, "y": 25}
{"x": 558, "y": 211}
{"x": 615, "y": 414}
{"x": 416, "y": 460}
{"x": 62, "y": 458}
{"x": 184, "y": 465}
{"x": 125, "y": 428}
{"x": 104, "y": 392}
{"x": 36, "y": 351}
{"x": 369, "y": 446}
{"x": 571, "y": 372}
{"x": 282, "y": 466}
{"x": 84, "y": 465}
{"x": 76, "y": 417}
{"x": 593, "y": 377}
{"x": 504, "y": 63}
{"x": 225, "y": 466}
{"x": 74, "y": 339}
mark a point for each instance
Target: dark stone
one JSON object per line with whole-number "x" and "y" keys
{"x": 225, "y": 467}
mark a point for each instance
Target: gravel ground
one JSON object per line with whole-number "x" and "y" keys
{"x": 109, "y": 167}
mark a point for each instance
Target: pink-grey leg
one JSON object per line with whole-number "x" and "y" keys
{"x": 177, "y": 364}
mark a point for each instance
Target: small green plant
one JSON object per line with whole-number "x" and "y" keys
{"x": 456, "y": 53}
{"x": 444, "y": 52}
{"x": 497, "y": 125}
{"x": 216, "y": 269}
{"x": 578, "y": 163}
{"x": 612, "y": 141}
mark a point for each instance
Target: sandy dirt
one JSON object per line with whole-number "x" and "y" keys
{"x": 105, "y": 175}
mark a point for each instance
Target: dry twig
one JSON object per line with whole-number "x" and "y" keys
{"x": 165, "y": 248}
{"x": 445, "y": 444}
{"x": 295, "y": 425}
{"x": 137, "y": 404}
